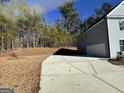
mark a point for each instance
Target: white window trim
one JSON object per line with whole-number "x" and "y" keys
{"x": 121, "y": 25}
{"x": 121, "y": 45}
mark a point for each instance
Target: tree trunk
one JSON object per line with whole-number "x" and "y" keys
{"x": 12, "y": 45}
{"x": 2, "y": 43}
{"x": 34, "y": 41}
{"x": 7, "y": 46}
{"x": 27, "y": 45}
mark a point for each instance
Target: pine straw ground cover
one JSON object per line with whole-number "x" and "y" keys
{"x": 23, "y": 73}
{"x": 116, "y": 62}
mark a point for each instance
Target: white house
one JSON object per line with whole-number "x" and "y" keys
{"x": 106, "y": 37}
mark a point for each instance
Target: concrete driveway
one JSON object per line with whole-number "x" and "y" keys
{"x": 68, "y": 74}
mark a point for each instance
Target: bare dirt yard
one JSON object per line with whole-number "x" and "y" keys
{"x": 23, "y": 73}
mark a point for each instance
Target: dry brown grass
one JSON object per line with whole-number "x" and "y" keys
{"x": 35, "y": 51}
{"x": 23, "y": 73}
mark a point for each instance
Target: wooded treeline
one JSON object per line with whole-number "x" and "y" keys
{"x": 22, "y": 25}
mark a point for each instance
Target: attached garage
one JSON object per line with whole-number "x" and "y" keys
{"x": 105, "y": 37}
{"x": 94, "y": 41}
{"x": 96, "y": 49}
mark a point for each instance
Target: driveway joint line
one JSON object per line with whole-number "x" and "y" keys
{"x": 74, "y": 66}
{"x": 93, "y": 67}
{"x": 108, "y": 83}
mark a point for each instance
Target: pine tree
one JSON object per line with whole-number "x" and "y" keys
{"x": 70, "y": 17}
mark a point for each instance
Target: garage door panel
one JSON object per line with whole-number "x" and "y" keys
{"x": 96, "y": 50}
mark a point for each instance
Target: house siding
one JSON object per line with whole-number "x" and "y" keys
{"x": 115, "y": 35}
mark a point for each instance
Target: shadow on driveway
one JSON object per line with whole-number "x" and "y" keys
{"x": 67, "y": 52}
{"x": 72, "y": 52}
